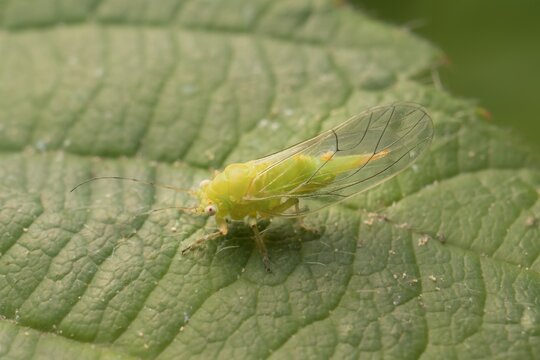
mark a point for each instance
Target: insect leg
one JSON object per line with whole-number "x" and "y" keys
{"x": 300, "y": 220}
{"x": 223, "y": 230}
{"x": 200, "y": 241}
{"x": 259, "y": 241}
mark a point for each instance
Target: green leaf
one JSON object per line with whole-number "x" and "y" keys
{"x": 166, "y": 91}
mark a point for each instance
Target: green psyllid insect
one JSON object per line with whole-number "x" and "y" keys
{"x": 360, "y": 153}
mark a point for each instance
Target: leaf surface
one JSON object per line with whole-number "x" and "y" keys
{"x": 167, "y": 91}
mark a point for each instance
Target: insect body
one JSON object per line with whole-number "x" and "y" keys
{"x": 354, "y": 156}
{"x": 239, "y": 192}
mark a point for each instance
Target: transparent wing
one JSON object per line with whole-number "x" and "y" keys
{"x": 388, "y": 138}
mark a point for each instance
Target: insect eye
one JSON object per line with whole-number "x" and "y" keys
{"x": 210, "y": 210}
{"x": 204, "y": 183}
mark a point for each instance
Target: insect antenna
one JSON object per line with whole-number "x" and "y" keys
{"x": 192, "y": 210}
{"x": 151, "y": 183}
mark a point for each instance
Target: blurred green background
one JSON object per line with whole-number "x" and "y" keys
{"x": 493, "y": 48}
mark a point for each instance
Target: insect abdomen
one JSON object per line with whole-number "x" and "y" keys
{"x": 305, "y": 174}
{"x": 283, "y": 178}
{"x": 342, "y": 164}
